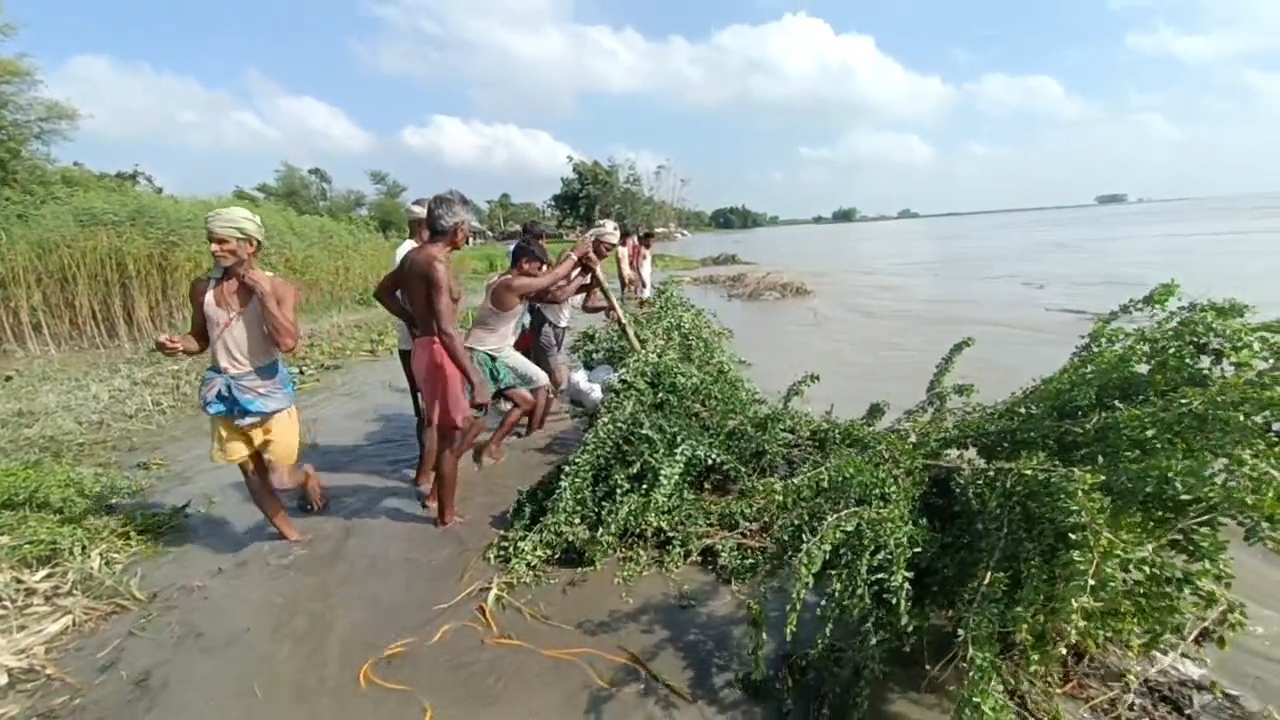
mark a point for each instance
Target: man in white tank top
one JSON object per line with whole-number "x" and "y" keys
{"x": 492, "y": 337}
{"x": 644, "y": 264}
{"x": 246, "y": 317}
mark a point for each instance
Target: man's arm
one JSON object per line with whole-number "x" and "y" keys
{"x": 196, "y": 340}
{"x": 622, "y": 256}
{"x": 280, "y": 312}
{"x": 563, "y": 291}
{"x": 515, "y": 289}
{"x": 446, "y": 327}
{"x": 594, "y": 303}
{"x": 387, "y": 293}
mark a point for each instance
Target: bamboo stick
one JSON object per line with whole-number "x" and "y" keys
{"x": 615, "y": 306}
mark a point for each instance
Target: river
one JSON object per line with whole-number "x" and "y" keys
{"x": 891, "y": 297}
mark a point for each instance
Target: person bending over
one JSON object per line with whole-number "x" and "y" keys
{"x": 493, "y": 334}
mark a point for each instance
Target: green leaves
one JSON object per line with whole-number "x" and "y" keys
{"x": 1073, "y": 524}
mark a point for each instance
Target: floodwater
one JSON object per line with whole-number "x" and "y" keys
{"x": 251, "y": 629}
{"x": 892, "y": 297}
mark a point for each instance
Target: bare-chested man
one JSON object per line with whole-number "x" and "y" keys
{"x": 628, "y": 283}
{"x": 451, "y": 387}
{"x": 246, "y": 318}
{"x": 416, "y": 216}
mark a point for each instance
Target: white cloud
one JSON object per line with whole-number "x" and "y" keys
{"x": 874, "y": 147}
{"x": 977, "y": 148}
{"x": 1000, "y": 94}
{"x": 131, "y": 101}
{"x": 502, "y": 148}
{"x": 798, "y": 62}
{"x": 1222, "y": 31}
{"x": 1266, "y": 85}
{"x": 1155, "y": 126}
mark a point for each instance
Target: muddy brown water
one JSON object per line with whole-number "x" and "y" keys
{"x": 248, "y": 628}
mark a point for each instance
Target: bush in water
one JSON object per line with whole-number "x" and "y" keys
{"x": 1079, "y": 518}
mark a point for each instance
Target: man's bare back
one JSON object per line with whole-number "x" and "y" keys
{"x": 422, "y": 273}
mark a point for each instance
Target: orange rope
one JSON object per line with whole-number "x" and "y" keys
{"x": 494, "y": 636}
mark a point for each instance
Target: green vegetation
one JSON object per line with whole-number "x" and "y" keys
{"x": 844, "y": 214}
{"x": 1111, "y": 199}
{"x": 1064, "y": 531}
{"x": 849, "y": 214}
{"x": 617, "y": 189}
{"x": 740, "y": 217}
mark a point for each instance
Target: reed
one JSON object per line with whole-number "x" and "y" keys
{"x": 97, "y": 268}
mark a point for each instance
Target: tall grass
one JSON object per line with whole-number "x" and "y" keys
{"x": 100, "y": 267}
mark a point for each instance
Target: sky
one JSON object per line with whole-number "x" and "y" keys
{"x": 794, "y": 107}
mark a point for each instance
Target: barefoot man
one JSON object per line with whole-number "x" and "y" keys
{"x": 416, "y": 215}
{"x": 627, "y": 282}
{"x": 450, "y": 386}
{"x": 493, "y": 334}
{"x": 246, "y": 318}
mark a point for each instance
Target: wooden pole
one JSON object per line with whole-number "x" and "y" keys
{"x": 615, "y": 306}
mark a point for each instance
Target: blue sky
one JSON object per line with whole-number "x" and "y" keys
{"x": 789, "y": 106}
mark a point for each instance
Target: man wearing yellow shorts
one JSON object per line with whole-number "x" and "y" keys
{"x": 246, "y": 318}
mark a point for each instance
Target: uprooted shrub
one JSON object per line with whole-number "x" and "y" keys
{"x": 1078, "y": 519}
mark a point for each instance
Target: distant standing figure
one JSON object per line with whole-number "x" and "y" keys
{"x": 448, "y": 382}
{"x": 627, "y": 281}
{"x": 644, "y": 265}
{"x": 416, "y": 214}
{"x": 246, "y": 318}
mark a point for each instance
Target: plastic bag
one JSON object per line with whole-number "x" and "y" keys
{"x": 580, "y": 390}
{"x": 603, "y": 375}
{"x": 591, "y": 398}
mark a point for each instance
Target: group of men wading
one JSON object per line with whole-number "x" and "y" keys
{"x": 246, "y": 318}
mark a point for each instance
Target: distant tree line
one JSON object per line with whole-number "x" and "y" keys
{"x": 589, "y": 191}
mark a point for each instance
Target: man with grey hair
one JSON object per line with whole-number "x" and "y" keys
{"x": 453, "y": 395}
{"x": 416, "y": 215}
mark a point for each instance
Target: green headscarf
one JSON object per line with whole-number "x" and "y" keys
{"x": 234, "y": 222}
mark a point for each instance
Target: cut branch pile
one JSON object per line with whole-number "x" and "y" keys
{"x": 1072, "y": 526}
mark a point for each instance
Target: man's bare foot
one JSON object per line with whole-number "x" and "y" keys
{"x": 426, "y": 498}
{"x": 486, "y": 453}
{"x": 455, "y": 519}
